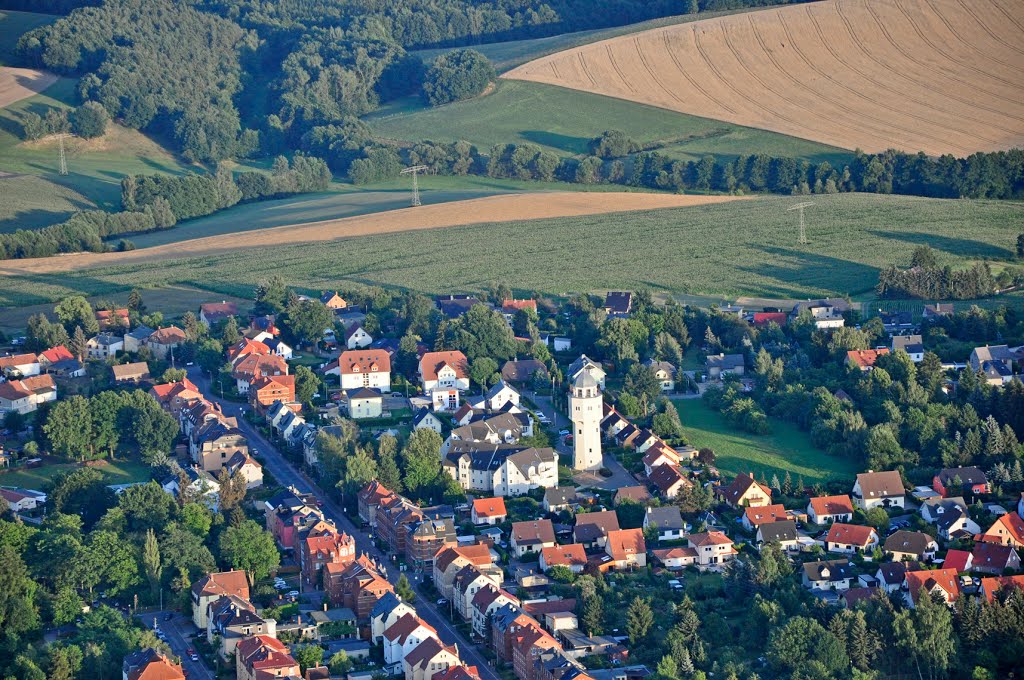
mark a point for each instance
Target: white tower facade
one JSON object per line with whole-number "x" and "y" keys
{"x": 586, "y": 409}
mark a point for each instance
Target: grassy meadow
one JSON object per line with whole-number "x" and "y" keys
{"x": 117, "y": 472}
{"x": 564, "y": 121}
{"x": 12, "y": 25}
{"x": 786, "y": 448}
{"x": 741, "y": 248}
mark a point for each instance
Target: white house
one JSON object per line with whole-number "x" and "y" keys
{"x": 828, "y": 575}
{"x": 667, "y": 521}
{"x": 362, "y": 368}
{"x": 584, "y": 363}
{"x": 19, "y": 365}
{"x": 665, "y": 372}
{"x": 278, "y": 347}
{"x": 356, "y": 337}
{"x": 364, "y": 402}
{"x": 104, "y": 346}
{"x": 496, "y": 398}
{"x": 443, "y": 375}
{"x": 425, "y": 419}
{"x": 879, "y": 489}
{"x": 385, "y": 613}
{"x": 405, "y": 635}
{"x": 25, "y": 395}
{"x": 22, "y": 500}
{"x": 911, "y": 344}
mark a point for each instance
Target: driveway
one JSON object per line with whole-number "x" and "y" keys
{"x": 287, "y": 474}
{"x": 177, "y": 630}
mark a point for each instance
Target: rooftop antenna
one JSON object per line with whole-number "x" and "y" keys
{"x": 803, "y": 229}
{"x": 63, "y": 157}
{"x": 414, "y": 171}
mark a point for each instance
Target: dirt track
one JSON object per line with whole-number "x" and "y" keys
{"x": 940, "y": 76}
{"x": 503, "y": 208}
{"x": 18, "y": 83}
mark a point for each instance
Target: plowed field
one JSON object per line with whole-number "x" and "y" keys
{"x": 939, "y": 76}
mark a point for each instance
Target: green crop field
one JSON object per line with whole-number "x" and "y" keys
{"x": 564, "y": 121}
{"x": 741, "y": 248}
{"x": 13, "y": 25}
{"x": 120, "y": 472}
{"x": 27, "y": 202}
{"x": 786, "y": 448}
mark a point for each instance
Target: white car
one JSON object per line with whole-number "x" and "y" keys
{"x": 542, "y": 418}
{"x": 293, "y": 593}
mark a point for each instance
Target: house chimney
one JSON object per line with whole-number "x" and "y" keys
{"x": 325, "y": 605}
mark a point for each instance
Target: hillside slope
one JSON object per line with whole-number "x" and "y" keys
{"x": 940, "y": 76}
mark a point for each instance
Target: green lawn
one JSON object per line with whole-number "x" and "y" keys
{"x": 121, "y": 472}
{"x": 13, "y": 25}
{"x": 563, "y": 121}
{"x": 786, "y": 448}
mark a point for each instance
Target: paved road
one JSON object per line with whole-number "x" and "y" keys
{"x": 288, "y": 475}
{"x": 176, "y": 631}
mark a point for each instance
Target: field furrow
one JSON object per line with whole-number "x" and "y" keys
{"x": 939, "y": 76}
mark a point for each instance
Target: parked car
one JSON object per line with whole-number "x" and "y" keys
{"x": 441, "y": 602}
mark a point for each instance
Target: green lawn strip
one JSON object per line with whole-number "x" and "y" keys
{"x": 786, "y": 448}
{"x": 563, "y": 121}
{"x": 120, "y": 472}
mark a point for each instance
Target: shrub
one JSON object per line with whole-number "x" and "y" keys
{"x": 457, "y": 75}
{"x": 89, "y": 120}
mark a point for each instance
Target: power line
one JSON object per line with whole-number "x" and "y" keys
{"x": 414, "y": 171}
{"x": 803, "y": 229}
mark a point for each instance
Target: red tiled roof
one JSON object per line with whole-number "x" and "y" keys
{"x": 832, "y": 505}
{"x": 991, "y": 555}
{"x": 1012, "y": 524}
{"x": 564, "y": 555}
{"x": 401, "y": 629}
{"x": 764, "y": 318}
{"x": 739, "y": 486}
{"x": 956, "y": 559}
{"x": 626, "y": 543}
{"x": 710, "y": 538}
{"x": 990, "y": 586}
{"x": 850, "y": 534}
{"x": 946, "y": 579}
{"x": 58, "y": 353}
{"x": 513, "y": 305}
{"x": 489, "y": 507}
{"x": 432, "y": 362}
{"x": 223, "y": 583}
{"x": 673, "y": 553}
{"x": 866, "y": 358}
{"x": 765, "y": 514}
{"x": 358, "y": 361}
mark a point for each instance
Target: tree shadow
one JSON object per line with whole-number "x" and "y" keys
{"x": 954, "y": 246}
{"x": 557, "y": 141}
{"x": 36, "y": 218}
{"x": 789, "y": 268}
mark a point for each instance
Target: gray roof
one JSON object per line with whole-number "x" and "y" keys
{"x": 783, "y": 530}
{"x": 967, "y": 475}
{"x": 532, "y": 457}
{"x": 908, "y": 542}
{"x": 560, "y": 495}
{"x": 584, "y": 380}
{"x": 667, "y": 517}
{"x": 725, "y": 360}
{"x": 828, "y": 570}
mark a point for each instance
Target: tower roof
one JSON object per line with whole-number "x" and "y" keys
{"x": 584, "y": 380}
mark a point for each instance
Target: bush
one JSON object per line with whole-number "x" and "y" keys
{"x": 89, "y": 120}
{"x": 457, "y": 75}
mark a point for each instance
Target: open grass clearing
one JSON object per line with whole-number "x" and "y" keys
{"x": 29, "y": 202}
{"x": 117, "y": 472}
{"x": 914, "y": 75}
{"x": 786, "y": 448}
{"x": 740, "y": 248}
{"x": 563, "y": 121}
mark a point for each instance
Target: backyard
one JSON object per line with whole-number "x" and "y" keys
{"x": 120, "y": 472}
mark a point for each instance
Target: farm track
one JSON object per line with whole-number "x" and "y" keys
{"x": 939, "y": 76}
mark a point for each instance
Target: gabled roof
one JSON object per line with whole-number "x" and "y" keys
{"x": 739, "y": 487}
{"x": 565, "y": 555}
{"x": 172, "y": 335}
{"x": 666, "y": 517}
{"x": 990, "y": 586}
{"x": 828, "y": 570}
{"x": 957, "y": 559}
{"x": 865, "y": 358}
{"x": 521, "y": 370}
{"x": 908, "y": 542}
{"x": 893, "y": 573}
{"x": 592, "y": 525}
{"x": 489, "y": 507}
{"x": 850, "y": 534}
{"x": 55, "y": 354}
{"x": 149, "y": 664}
{"x": 667, "y": 476}
{"x": 533, "y": 532}
{"x": 764, "y": 514}
{"x": 709, "y": 538}
{"x": 405, "y": 626}
{"x": 427, "y": 650}
{"x": 432, "y": 362}
{"x": 459, "y": 672}
{"x": 968, "y": 475}
{"x": 477, "y": 554}
{"x": 832, "y": 505}
{"x": 886, "y": 484}
{"x": 223, "y": 583}
{"x": 946, "y": 579}
{"x": 636, "y": 494}
{"x": 991, "y": 555}
{"x": 560, "y": 495}
{"x": 1012, "y": 523}
{"x": 780, "y": 531}
{"x": 626, "y": 543}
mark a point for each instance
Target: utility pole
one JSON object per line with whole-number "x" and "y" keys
{"x": 803, "y": 229}
{"x": 414, "y": 171}
{"x": 63, "y": 156}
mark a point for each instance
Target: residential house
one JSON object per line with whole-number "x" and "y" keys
{"x": 991, "y": 586}
{"x": 216, "y": 442}
{"x": 212, "y": 312}
{"x": 864, "y": 359}
{"x": 675, "y": 558}
{"x": 149, "y": 664}
{"x": 826, "y": 314}
{"x": 592, "y": 528}
{"x": 1007, "y": 530}
{"x": 559, "y": 498}
{"x": 496, "y": 398}
{"x": 506, "y": 623}
{"x": 956, "y": 524}
{"x": 356, "y": 337}
{"x": 425, "y": 419}
{"x": 198, "y": 483}
{"x": 850, "y": 538}
{"x": 828, "y": 575}
{"x": 960, "y": 480}
{"x": 265, "y": 390}
{"x": 584, "y": 363}
{"x": 212, "y": 587}
{"x": 136, "y": 339}
{"x": 362, "y": 368}
{"x": 369, "y": 499}
{"x": 163, "y": 341}
{"x": 934, "y": 508}
{"x": 523, "y": 371}
{"x": 130, "y": 374}
{"x": 762, "y": 319}
{"x": 317, "y": 550}
{"x": 405, "y": 635}
{"x": 527, "y": 646}
{"x": 250, "y": 366}
{"x": 511, "y": 306}
{"x": 745, "y": 491}
{"x": 103, "y": 346}
{"x": 247, "y": 467}
{"x": 669, "y": 480}
{"x": 52, "y": 356}
{"x": 425, "y": 537}
{"x": 458, "y": 673}
{"x": 667, "y": 521}
{"x": 826, "y": 509}
{"x": 632, "y": 494}
{"x": 501, "y": 469}
{"x": 756, "y": 516}
{"x": 443, "y": 375}
{"x": 618, "y": 304}
{"x": 26, "y": 394}
{"x": 993, "y": 558}
{"x": 364, "y": 402}
{"x": 451, "y": 559}
{"x": 385, "y": 613}
{"x": 262, "y": 657}
{"x": 357, "y": 586}
{"x": 712, "y": 547}
{"x": 937, "y": 310}
{"x": 22, "y": 500}
{"x": 721, "y": 365}
{"x": 892, "y": 575}
{"x": 488, "y": 510}
{"x": 333, "y": 301}
{"x": 454, "y": 306}
{"x": 665, "y": 373}
{"x": 904, "y": 546}
{"x": 995, "y": 361}
{"x": 944, "y": 583}
{"x": 656, "y": 455}
{"x": 879, "y": 489}
{"x": 231, "y": 620}
{"x": 532, "y": 536}
{"x": 466, "y": 584}
{"x": 19, "y": 366}
{"x": 571, "y": 556}
{"x": 488, "y": 600}
{"x": 626, "y": 548}
{"x": 911, "y": 344}
{"x": 961, "y": 560}
{"x": 428, "y": 659}
{"x": 782, "y": 532}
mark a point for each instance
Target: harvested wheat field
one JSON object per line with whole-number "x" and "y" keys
{"x": 503, "y": 208}
{"x": 939, "y": 76}
{"x": 18, "y": 83}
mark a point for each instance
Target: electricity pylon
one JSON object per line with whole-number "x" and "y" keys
{"x": 803, "y": 229}
{"x": 414, "y": 171}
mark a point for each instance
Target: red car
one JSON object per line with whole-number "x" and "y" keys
{"x": 190, "y": 651}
